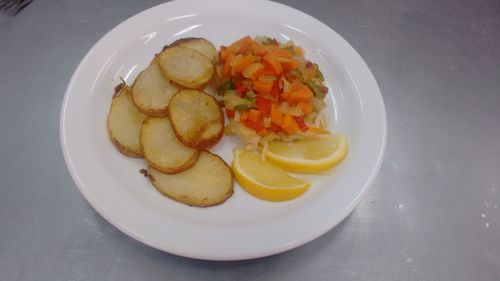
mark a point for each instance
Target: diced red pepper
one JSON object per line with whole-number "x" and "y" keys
{"x": 263, "y": 105}
{"x": 230, "y": 113}
{"x": 275, "y": 128}
{"x": 241, "y": 88}
{"x": 275, "y": 92}
{"x": 255, "y": 126}
{"x": 302, "y": 124}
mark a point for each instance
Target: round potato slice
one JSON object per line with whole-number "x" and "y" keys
{"x": 162, "y": 149}
{"x": 125, "y": 122}
{"x": 152, "y": 92}
{"x": 201, "y": 45}
{"x": 186, "y": 67}
{"x": 209, "y": 182}
{"x": 196, "y": 118}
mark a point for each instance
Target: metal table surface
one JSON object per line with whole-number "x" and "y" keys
{"x": 432, "y": 214}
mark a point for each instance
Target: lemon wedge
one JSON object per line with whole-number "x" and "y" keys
{"x": 308, "y": 155}
{"x": 265, "y": 180}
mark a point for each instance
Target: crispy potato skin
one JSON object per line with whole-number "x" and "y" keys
{"x": 193, "y": 138}
{"x": 186, "y": 42}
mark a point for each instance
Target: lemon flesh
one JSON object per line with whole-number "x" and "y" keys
{"x": 308, "y": 155}
{"x": 265, "y": 180}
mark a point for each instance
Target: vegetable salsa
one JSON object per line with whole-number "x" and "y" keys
{"x": 270, "y": 90}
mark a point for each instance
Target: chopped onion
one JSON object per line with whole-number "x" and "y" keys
{"x": 318, "y": 104}
{"x": 287, "y": 87}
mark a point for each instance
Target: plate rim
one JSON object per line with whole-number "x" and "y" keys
{"x": 283, "y": 248}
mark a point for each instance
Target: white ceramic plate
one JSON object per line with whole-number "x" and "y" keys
{"x": 243, "y": 227}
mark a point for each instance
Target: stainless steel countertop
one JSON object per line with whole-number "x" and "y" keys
{"x": 432, "y": 214}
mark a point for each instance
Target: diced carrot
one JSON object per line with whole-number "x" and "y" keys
{"x": 243, "y": 116}
{"x": 263, "y": 105}
{"x": 230, "y": 113}
{"x": 224, "y": 54}
{"x": 243, "y": 63}
{"x": 289, "y": 63}
{"x": 226, "y": 70}
{"x": 279, "y": 52}
{"x": 236, "y": 45}
{"x": 269, "y": 71}
{"x": 289, "y": 124}
{"x": 254, "y": 115}
{"x": 285, "y": 96}
{"x": 303, "y": 94}
{"x": 258, "y": 49}
{"x": 253, "y": 70}
{"x": 263, "y": 87}
{"x": 271, "y": 60}
{"x": 246, "y": 44}
{"x": 306, "y": 107}
{"x": 276, "y": 115}
{"x": 263, "y": 132}
{"x": 296, "y": 84}
{"x": 275, "y": 128}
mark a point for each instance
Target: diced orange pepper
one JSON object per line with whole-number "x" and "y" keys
{"x": 270, "y": 60}
{"x": 303, "y": 94}
{"x": 254, "y": 115}
{"x": 289, "y": 125}
{"x": 243, "y": 116}
{"x": 258, "y": 49}
{"x": 276, "y": 115}
{"x": 243, "y": 63}
{"x": 262, "y": 87}
{"x": 306, "y": 107}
